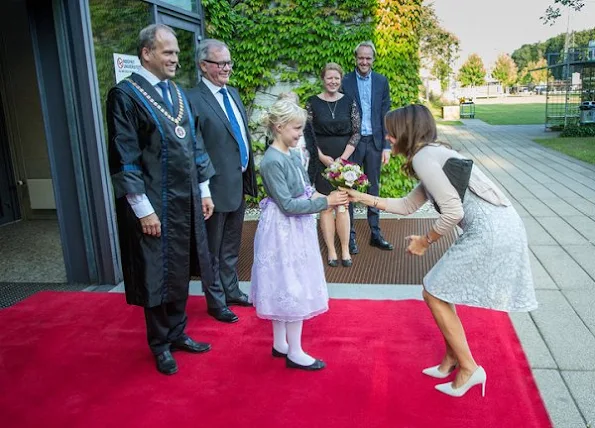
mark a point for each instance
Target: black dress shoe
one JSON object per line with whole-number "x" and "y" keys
{"x": 278, "y": 354}
{"x": 333, "y": 262}
{"x": 316, "y": 365}
{"x": 353, "y": 248}
{"x": 240, "y": 301}
{"x": 189, "y": 345}
{"x": 223, "y": 315}
{"x": 347, "y": 262}
{"x": 166, "y": 363}
{"x": 381, "y": 243}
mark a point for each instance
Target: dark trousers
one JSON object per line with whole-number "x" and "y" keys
{"x": 165, "y": 324}
{"x": 370, "y": 158}
{"x": 224, "y": 231}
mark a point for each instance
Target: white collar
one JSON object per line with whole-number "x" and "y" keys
{"x": 212, "y": 87}
{"x": 150, "y": 77}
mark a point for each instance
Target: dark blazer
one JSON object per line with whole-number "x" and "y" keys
{"x": 228, "y": 185}
{"x": 380, "y": 104}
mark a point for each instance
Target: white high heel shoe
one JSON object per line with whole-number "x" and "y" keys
{"x": 478, "y": 377}
{"x": 434, "y": 372}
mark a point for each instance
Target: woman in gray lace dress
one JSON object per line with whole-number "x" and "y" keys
{"x": 488, "y": 265}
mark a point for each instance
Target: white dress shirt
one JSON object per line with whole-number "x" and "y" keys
{"x": 139, "y": 202}
{"x": 236, "y": 111}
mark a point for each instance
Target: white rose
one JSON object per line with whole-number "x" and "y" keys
{"x": 349, "y": 176}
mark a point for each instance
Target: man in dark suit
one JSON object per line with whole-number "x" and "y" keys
{"x": 221, "y": 118}
{"x": 371, "y": 91}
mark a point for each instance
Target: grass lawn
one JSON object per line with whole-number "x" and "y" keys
{"x": 437, "y": 113}
{"x": 579, "y": 148}
{"x": 511, "y": 114}
{"x": 449, "y": 122}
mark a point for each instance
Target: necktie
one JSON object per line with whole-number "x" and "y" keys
{"x": 235, "y": 126}
{"x": 165, "y": 95}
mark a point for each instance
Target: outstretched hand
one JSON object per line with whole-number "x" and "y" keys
{"x": 354, "y": 195}
{"x": 417, "y": 245}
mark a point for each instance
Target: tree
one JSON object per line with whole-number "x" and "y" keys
{"x": 552, "y": 13}
{"x": 472, "y": 73}
{"x": 505, "y": 70}
{"x": 535, "y": 73}
{"x": 539, "y": 72}
{"x": 527, "y": 53}
{"x": 438, "y": 48}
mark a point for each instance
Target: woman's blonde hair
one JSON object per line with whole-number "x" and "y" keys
{"x": 281, "y": 113}
{"x": 331, "y": 66}
{"x": 413, "y": 128}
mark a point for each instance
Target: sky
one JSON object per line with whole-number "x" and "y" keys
{"x": 491, "y": 27}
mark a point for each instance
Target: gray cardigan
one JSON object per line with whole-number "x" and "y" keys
{"x": 284, "y": 176}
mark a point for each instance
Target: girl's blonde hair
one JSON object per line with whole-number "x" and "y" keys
{"x": 292, "y": 96}
{"x": 281, "y": 113}
{"x": 413, "y": 127}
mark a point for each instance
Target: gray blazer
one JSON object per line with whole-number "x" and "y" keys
{"x": 229, "y": 184}
{"x": 284, "y": 178}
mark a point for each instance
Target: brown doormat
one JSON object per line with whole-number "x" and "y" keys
{"x": 371, "y": 265}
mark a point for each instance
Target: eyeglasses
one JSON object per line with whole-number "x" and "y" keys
{"x": 220, "y": 64}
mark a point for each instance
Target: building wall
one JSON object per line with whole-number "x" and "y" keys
{"x": 21, "y": 96}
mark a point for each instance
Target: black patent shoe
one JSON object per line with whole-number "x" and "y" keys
{"x": 189, "y": 345}
{"x": 316, "y": 365}
{"x": 278, "y": 354}
{"x": 223, "y": 315}
{"x": 380, "y": 242}
{"x": 166, "y": 363}
{"x": 347, "y": 262}
{"x": 240, "y": 301}
{"x": 333, "y": 262}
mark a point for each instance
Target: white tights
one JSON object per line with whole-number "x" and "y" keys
{"x": 287, "y": 338}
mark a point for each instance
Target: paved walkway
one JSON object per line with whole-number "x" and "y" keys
{"x": 555, "y": 195}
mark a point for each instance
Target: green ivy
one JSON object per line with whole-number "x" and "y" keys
{"x": 393, "y": 182}
{"x": 291, "y": 40}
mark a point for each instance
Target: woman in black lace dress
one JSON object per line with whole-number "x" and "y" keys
{"x": 332, "y": 132}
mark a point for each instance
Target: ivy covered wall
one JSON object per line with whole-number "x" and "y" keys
{"x": 291, "y": 40}
{"x": 266, "y": 37}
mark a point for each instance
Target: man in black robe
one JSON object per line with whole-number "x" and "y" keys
{"x": 160, "y": 172}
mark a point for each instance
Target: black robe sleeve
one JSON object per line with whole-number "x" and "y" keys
{"x": 124, "y": 149}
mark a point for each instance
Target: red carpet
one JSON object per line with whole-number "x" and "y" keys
{"x": 80, "y": 360}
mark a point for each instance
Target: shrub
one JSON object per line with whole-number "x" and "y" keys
{"x": 579, "y": 131}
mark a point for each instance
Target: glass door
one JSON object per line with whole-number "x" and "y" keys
{"x": 189, "y": 35}
{"x": 8, "y": 191}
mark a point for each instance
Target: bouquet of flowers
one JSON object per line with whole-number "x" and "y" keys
{"x": 343, "y": 173}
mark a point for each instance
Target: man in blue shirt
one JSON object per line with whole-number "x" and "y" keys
{"x": 372, "y": 93}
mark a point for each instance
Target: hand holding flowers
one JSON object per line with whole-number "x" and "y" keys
{"x": 347, "y": 175}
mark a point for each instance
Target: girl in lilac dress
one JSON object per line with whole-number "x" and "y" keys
{"x": 288, "y": 283}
